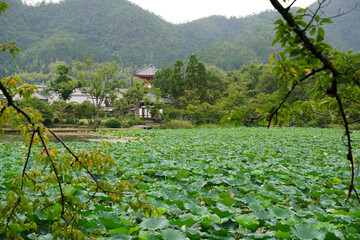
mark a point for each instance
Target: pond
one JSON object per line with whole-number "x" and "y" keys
{"x": 65, "y": 136}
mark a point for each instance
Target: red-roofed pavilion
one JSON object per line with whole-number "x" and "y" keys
{"x": 146, "y": 74}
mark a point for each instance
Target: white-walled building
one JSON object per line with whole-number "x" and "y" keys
{"x": 79, "y": 96}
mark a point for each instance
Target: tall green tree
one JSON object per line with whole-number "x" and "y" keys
{"x": 171, "y": 82}
{"x": 71, "y": 113}
{"x": 135, "y": 95}
{"x": 177, "y": 83}
{"x": 196, "y": 77}
{"x": 98, "y": 81}
{"x": 58, "y": 108}
{"x": 123, "y": 107}
{"x": 85, "y": 110}
{"x": 63, "y": 84}
{"x": 162, "y": 80}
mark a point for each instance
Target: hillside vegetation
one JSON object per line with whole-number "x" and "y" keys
{"x": 121, "y": 31}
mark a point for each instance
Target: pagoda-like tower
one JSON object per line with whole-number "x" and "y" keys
{"x": 146, "y": 74}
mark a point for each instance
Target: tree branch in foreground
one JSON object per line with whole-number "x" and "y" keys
{"x": 332, "y": 91}
{"x": 38, "y": 131}
{"x": 286, "y": 96}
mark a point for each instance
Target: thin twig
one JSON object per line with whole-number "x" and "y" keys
{"x": 27, "y": 159}
{"x": 11, "y": 102}
{"x": 303, "y": 37}
{"x": 86, "y": 169}
{"x": 56, "y": 174}
{"x": 64, "y": 145}
{"x": 23, "y": 174}
{"x": 351, "y": 99}
{"x": 289, "y": 93}
{"x": 291, "y": 4}
{"x": 340, "y": 14}
{"x": 33, "y": 180}
{"x": 314, "y": 14}
{"x": 12, "y": 213}
{"x": 355, "y": 121}
{"x": 2, "y": 111}
{"x": 349, "y": 155}
{"x": 357, "y": 81}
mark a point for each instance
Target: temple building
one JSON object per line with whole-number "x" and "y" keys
{"x": 146, "y": 74}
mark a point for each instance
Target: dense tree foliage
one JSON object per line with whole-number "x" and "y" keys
{"x": 43, "y": 107}
{"x": 123, "y": 107}
{"x": 63, "y": 84}
{"x": 86, "y": 110}
{"x": 205, "y": 94}
{"x": 135, "y": 95}
{"x": 99, "y": 82}
{"x": 196, "y": 78}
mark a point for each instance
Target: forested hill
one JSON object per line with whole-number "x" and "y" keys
{"x": 254, "y": 41}
{"x": 122, "y": 31}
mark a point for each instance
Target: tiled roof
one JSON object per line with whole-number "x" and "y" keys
{"x": 148, "y": 71}
{"x": 152, "y": 99}
{"x": 36, "y": 94}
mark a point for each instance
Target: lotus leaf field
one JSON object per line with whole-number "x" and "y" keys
{"x": 232, "y": 183}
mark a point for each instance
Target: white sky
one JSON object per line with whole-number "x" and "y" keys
{"x": 179, "y": 11}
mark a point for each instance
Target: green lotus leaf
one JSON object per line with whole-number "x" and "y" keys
{"x": 261, "y": 214}
{"x": 45, "y": 237}
{"x": 187, "y": 219}
{"x": 144, "y": 235}
{"x": 172, "y": 194}
{"x": 278, "y": 212}
{"x": 171, "y": 234}
{"x": 285, "y": 225}
{"x": 222, "y": 210}
{"x": 326, "y": 225}
{"x": 305, "y": 232}
{"x": 211, "y": 170}
{"x": 119, "y": 237}
{"x": 257, "y": 235}
{"x": 209, "y": 201}
{"x": 335, "y": 235}
{"x": 196, "y": 209}
{"x": 194, "y": 233}
{"x": 248, "y": 221}
{"x": 227, "y": 201}
{"x": 250, "y": 199}
{"x": 299, "y": 183}
{"x": 219, "y": 229}
{"x": 211, "y": 217}
{"x": 255, "y": 206}
{"x": 154, "y": 223}
{"x": 182, "y": 173}
{"x": 282, "y": 235}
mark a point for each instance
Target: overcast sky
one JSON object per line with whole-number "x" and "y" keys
{"x": 179, "y": 11}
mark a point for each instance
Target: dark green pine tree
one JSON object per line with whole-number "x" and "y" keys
{"x": 177, "y": 83}
{"x": 162, "y": 80}
{"x": 196, "y": 78}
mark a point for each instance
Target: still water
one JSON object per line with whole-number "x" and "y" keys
{"x": 78, "y": 137}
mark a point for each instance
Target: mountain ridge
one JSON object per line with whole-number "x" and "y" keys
{"x": 118, "y": 30}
